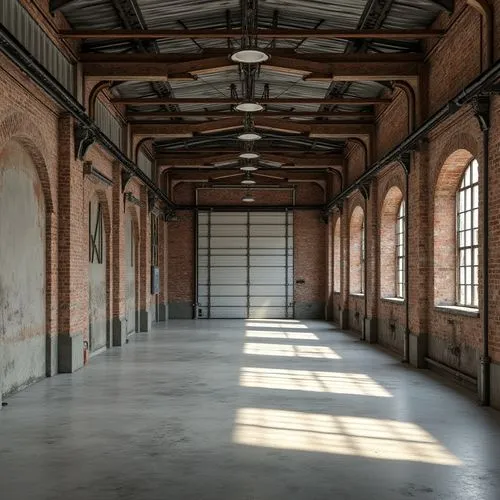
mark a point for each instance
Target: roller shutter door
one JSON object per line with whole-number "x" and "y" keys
{"x": 245, "y": 265}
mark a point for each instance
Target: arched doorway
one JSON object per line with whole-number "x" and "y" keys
{"x": 131, "y": 269}
{"x": 97, "y": 276}
{"x": 22, "y": 270}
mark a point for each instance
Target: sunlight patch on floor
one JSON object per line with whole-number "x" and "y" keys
{"x": 273, "y": 334}
{"x": 281, "y": 324}
{"x": 342, "y": 435}
{"x": 311, "y": 381}
{"x": 297, "y": 351}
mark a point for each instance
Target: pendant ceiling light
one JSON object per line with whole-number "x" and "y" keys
{"x": 250, "y": 56}
{"x": 248, "y": 180}
{"x": 249, "y": 107}
{"x": 249, "y": 136}
{"x": 249, "y": 155}
{"x": 248, "y": 168}
{"x": 248, "y": 198}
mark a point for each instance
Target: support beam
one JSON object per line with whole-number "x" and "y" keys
{"x": 262, "y": 34}
{"x": 159, "y": 130}
{"x": 334, "y": 115}
{"x": 338, "y": 67}
{"x": 134, "y": 101}
{"x": 446, "y": 5}
{"x": 285, "y": 159}
{"x": 55, "y": 5}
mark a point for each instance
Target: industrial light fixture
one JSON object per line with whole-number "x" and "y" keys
{"x": 249, "y": 56}
{"x": 249, "y": 155}
{"x": 248, "y": 180}
{"x": 248, "y": 168}
{"x": 249, "y": 136}
{"x": 248, "y": 198}
{"x": 249, "y": 107}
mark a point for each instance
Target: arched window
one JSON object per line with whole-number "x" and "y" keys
{"x": 336, "y": 257}
{"x": 357, "y": 251}
{"x": 468, "y": 237}
{"x": 392, "y": 245}
{"x": 400, "y": 252}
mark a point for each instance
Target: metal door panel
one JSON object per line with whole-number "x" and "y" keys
{"x": 226, "y": 301}
{"x": 267, "y": 242}
{"x": 267, "y": 276}
{"x": 228, "y": 242}
{"x": 228, "y": 275}
{"x": 267, "y": 312}
{"x": 268, "y": 260}
{"x": 228, "y": 312}
{"x": 242, "y": 265}
{"x": 270, "y": 230}
{"x": 228, "y": 260}
{"x": 268, "y": 301}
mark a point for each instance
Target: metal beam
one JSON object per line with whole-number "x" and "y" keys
{"x": 337, "y": 115}
{"x": 263, "y": 34}
{"x": 55, "y": 5}
{"x": 147, "y": 101}
{"x": 447, "y": 5}
{"x": 316, "y": 129}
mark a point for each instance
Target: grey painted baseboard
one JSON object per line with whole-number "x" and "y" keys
{"x": 371, "y": 330}
{"x": 495, "y": 385}
{"x": 163, "y": 311}
{"x": 309, "y": 310}
{"x": 144, "y": 320}
{"x": 119, "y": 331}
{"x": 70, "y": 353}
{"x": 180, "y": 310}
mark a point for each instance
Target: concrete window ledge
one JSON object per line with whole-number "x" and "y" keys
{"x": 394, "y": 300}
{"x": 461, "y": 311}
{"x": 357, "y": 294}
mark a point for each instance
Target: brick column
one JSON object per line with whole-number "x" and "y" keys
{"x": 329, "y": 269}
{"x": 372, "y": 249}
{"x": 163, "y": 263}
{"x": 72, "y": 254}
{"x": 144, "y": 263}
{"x": 418, "y": 255}
{"x": 344, "y": 268}
{"x": 119, "y": 323}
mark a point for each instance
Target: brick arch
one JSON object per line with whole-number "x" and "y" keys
{"x": 20, "y": 128}
{"x": 444, "y": 224}
{"x": 356, "y": 220}
{"x": 395, "y": 177}
{"x": 388, "y": 216}
{"x": 464, "y": 142}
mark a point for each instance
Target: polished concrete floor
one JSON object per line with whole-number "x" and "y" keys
{"x": 254, "y": 410}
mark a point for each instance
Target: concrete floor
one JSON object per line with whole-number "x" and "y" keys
{"x": 247, "y": 411}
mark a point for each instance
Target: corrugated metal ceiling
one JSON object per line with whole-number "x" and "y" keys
{"x": 175, "y": 14}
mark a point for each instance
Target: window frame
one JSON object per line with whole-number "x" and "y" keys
{"x": 467, "y": 238}
{"x": 400, "y": 252}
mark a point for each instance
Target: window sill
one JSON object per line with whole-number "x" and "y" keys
{"x": 336, "y": 293}
{"x": 394, "y": 300}
{"x": 461, "y": 311}
{"x": 357, "y": 294}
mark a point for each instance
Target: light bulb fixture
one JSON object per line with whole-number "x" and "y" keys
{"x": 249, "y": 107}
{"x": 248, "y": 168}
{"x": 248, "y": 181}
{"x": 249, "y": 136}
{"x": 248, "y": 198}
{"x": 249, "y": 155}
{"x": 249, "y": 56}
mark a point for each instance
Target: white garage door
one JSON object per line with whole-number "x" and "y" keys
{"x": 245, "y": 265}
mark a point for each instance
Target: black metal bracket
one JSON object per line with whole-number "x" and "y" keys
{"x": 481, "y": 106}
{"x": 405, "y": 161}
{"x": 125, "y": 177}
{"x": 84, "y": 138}
{"x": 365, "y": 190}
{"x": 128, "y": 196}
{"x": 324, "y": 217}
{"x": 90, "y": 171}
{"x": 170, "y": 215}
{"x": 152, "y": 198}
